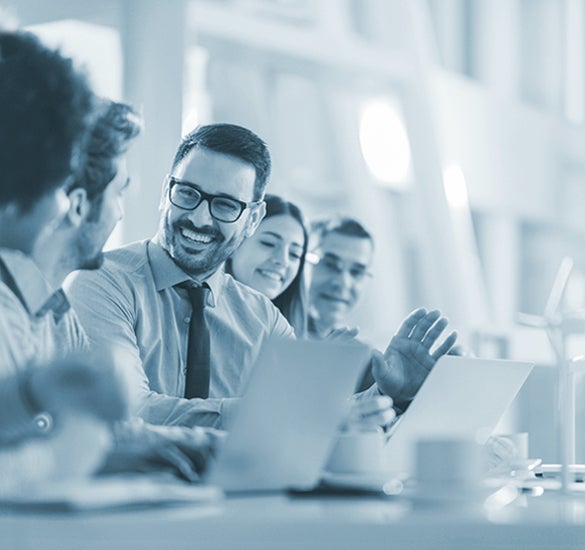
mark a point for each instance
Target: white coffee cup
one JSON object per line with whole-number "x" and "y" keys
{"x": 453, "y": 463}
{"x": 449, "y": 474}
{"x": 357, "y": 452}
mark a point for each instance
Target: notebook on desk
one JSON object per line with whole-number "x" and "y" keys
{"x": 461, "y": 398}
{"x": 296, "y": 398}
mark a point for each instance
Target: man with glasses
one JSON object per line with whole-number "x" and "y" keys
{"x": 341, "y": 256}
{"x": 141, "y": 302}
{"x": 184, "y": 332}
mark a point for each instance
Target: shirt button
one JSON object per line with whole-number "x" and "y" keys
{"x": 187, "y": 320}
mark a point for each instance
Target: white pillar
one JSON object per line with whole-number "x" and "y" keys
{"x": 496, "y": 32}
{"x": 153, "y": 43}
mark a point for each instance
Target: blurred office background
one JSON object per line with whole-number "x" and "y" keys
{"x": 453, "y": 128}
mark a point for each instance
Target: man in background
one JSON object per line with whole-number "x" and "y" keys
{"x": 341, "y": 253}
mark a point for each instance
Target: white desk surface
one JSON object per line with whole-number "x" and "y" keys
{"x": 278, "y": 521}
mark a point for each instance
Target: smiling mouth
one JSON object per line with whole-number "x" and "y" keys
{"x": 195, "y": 236}
{"x": 272, "y": 275}
{"x": 333, "y": 299}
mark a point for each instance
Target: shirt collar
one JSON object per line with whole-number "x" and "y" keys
{"x": 35, "y": 293}
{"x": 166, "y": 273}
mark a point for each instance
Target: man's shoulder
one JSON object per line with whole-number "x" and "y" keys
{"x": 121, "y": 270}
{"x": 253, "y": 307}
{"x": 129, "y": 258}
{"x": 11, "y": 307}
{"x": 239, "y": 292}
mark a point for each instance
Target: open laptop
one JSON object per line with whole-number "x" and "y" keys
{"x": 296, "y": 397}
{"x": 461, "y": 398}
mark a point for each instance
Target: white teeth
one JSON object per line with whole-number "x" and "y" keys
{"x": 271, "y": 275}
{"x": 196, "y": 237}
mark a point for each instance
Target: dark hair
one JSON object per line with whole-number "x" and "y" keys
{"x": 343, "y": 225}
{"x": 293, "y": 301}
{"x": 233, "y": 140}
{"x": 44, "y": 112}
{"x": 115, "y": 126}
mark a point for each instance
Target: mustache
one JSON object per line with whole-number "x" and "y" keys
{"x": 204, "y": 230}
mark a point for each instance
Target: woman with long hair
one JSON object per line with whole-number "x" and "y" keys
{"x": 272, "y": 261}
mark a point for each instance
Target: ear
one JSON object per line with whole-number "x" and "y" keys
{"x": 79, "y": 206}
{"x": 255, "y": 217}
{"x": 164, "y": 194}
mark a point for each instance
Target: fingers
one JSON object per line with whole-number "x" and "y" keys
{"x": 196, "y": 454}
{"x": 371, "y": 413}
{"x": 173, "y": 457}
{"x": 410, "y": 322}
{"x": 380, "y": 419}
{"x": 435, "y": 331}
{"x": 426, "y": 328}
{"x": 367, "y": 407}
{"x": 445, "y": 346}
{"x": 423, "y": 326}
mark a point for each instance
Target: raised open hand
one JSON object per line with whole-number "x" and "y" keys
{"x": 408, "y": 358}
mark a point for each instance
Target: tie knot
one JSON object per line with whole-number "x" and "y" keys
{"x": 197, "y": 294}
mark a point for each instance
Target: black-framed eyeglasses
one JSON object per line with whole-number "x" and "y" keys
{"x": 187, "y": 196}
{"x": 334, "y": 265}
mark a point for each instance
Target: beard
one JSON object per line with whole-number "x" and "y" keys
{"x": 195, "y": 259}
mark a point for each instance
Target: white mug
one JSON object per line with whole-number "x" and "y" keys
{"x": 453, "y": 463}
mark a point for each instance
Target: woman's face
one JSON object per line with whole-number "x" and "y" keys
{"x": 269, "y": 260}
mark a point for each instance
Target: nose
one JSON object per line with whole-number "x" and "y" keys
{"x": 343, "y": 279}
{"x": 279, "y": 255}
{"x": 201, "y": 215}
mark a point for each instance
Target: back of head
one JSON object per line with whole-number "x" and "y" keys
{"x": 232, "y": 140}
{"x": 115, "y": 126}
{"x": 44, "y": 108}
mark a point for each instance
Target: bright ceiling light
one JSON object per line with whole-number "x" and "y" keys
{"x": 455, "y": 186}
{"x": 384, "y": 143}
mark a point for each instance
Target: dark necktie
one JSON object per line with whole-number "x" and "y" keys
{"x": 198, "y": 353}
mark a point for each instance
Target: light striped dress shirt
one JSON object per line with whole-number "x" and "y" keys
{"x": 132, "y": 306}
